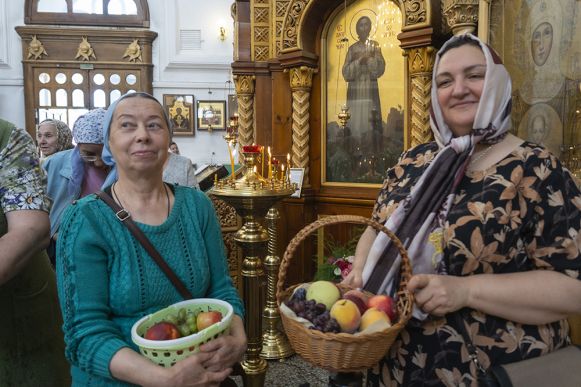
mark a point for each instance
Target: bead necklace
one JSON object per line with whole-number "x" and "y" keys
{"x": 481, "y": 154}
{"x": 121, "y": 204}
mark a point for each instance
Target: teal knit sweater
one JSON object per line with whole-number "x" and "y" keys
{"x": 107, "y": 281}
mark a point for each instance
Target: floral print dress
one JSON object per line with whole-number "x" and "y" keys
{"x": 524, "y": 213}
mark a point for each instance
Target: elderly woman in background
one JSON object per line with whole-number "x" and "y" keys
{"x": 107, "y": 280}
{"x": 53, "y": 136}
{"x": 31, "y": 341}
{"x": 491, "y": 223}
{"x": 77, "y": 172}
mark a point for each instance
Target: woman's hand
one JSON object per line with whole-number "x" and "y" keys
{"x": 439, "y": 294}
{"x": 226, "y": 350}
{"x": 354, "y": 279}
{"x": 191, "y": 372}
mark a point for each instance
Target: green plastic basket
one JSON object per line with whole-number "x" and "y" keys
{"x": 168, "y": 352}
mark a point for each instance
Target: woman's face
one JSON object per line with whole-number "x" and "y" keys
{"x": 139, "y": 136}
{"x": 47, "y": 138}
{"x": 541, "y": 43}
{"x": 91, "y": 155}
{"x": 459, "y": 83}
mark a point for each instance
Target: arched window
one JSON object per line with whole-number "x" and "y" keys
{"x": 119, "y": 13}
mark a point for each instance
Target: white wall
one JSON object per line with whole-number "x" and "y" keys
{"x": 175, "y": 71}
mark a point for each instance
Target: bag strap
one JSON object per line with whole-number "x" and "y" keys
{"x": 472, "y": 350}
{"x": 125, "y": 218}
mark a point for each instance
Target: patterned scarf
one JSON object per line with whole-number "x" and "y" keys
{"x": 64, "y": 136}
{"x": 418, "y": 219}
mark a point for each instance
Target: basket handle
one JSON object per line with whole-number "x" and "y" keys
{"x": 334, "y": 219}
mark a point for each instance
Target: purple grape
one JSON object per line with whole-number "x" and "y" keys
{"x": 320, "y": 307}
{"x": 300, "y": 294}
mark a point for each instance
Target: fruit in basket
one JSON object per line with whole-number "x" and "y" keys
{"x": 385, "y": 303}
{"x": 205, "y": 319}
{"x": 163, "y": 331}
{"x": 358, "y": 297}
{"x": 371, "y": 316}
{"x": 324, "y": 292}
{"x": 347, "y": 315}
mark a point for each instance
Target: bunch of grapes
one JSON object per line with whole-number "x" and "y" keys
{"x": 185, "y": 321}
{"x": 316, "y": 313}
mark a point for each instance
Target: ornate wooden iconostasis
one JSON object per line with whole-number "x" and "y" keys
{"x": 291, "y": 76}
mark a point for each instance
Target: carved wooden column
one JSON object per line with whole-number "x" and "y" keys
{"x": 461, "y": 15}
{"x": 245, "y": 93}
{"x": 301, "y": 81}
{"x": 420, "y": 66}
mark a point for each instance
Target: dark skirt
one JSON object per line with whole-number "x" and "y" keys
{"x": 31, "y": 339}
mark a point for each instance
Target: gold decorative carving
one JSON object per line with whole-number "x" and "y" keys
{"x": 292, "y": 23}
{"x": 301, "y": 81}
{"x": 85, "y": 51}
{"x": 36, "y": 49}
{"x": 226, "y": 214}
{"x": 245, "y": 93}
{"x": 133, "y": 51}
{"x": 281, "y": 7}
{"x": 415, "y": 12}
{"x": 461, "y": 15}
{"x": 420, "y": 65}
{"x": 261, "y": 31}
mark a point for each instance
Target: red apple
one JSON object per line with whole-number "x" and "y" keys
{"x": 163, "y": 331}
{"x": 385, "y": 303}
{"x": 205, "y": 319}
{"x": 358, "y": 297}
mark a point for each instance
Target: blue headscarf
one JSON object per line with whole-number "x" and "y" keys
{"x": 106, "y": 155}
{"x": 88, "y": 129}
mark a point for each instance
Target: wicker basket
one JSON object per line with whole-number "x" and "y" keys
{"x": 343, "y": 352}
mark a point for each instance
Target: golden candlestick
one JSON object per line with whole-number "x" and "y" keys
{"x": 275, "y": 345}
{"x": 252, "y": 196}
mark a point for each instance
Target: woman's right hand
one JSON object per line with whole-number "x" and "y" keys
{"x": 354, "y": 279}
{"x": 190, "y": 372}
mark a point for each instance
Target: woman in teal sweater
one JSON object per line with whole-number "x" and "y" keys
{"x": 107, "y": 281}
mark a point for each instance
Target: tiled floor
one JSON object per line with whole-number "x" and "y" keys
{"x": 292, "y": 372}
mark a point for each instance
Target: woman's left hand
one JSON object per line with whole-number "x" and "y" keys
{"x": 227, "y": 349}
{"x": 439, "y": 294}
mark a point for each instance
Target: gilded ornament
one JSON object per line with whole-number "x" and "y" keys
{"x": 36, "y": 49}
{"x": 85, "y": 51}
{"x": 133, "y": 52}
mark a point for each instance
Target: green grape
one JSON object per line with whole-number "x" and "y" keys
{"x": 184, "y": 329}
{"x": 171, "y": 318}
{"x": 182, "y": 315}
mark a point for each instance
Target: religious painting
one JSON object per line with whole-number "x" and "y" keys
{"x": 211, "y": 115}
{"x": 540, "y": 44}
{"x": 363, "y": 78}
{"x": 180, "y": 110}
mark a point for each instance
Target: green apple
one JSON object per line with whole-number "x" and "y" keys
{"x": 323, "y": 292}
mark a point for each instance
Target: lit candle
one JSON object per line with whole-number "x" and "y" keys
{"x": 269, "y": 164}
{"x": 262, "y": 160}
{"x": 288, "y": 160}
{"x": 231, "y": 160}
{"x": 282, "y": 172}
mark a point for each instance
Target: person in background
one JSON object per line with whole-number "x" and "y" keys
{"x": 53, "y": 136}
{"x": 173, "y": 148}
{"x": 491, "y": 223}
{"x": 180, "y": 170}
{"x": 77, "y": 172}
{"x": 107, "y": 280}
{"x": 31, "y": 340}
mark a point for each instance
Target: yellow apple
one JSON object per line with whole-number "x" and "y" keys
{"x": 347, "y": 315}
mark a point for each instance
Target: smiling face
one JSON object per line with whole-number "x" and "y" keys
{"x": 139, "y": 136}
{"x": 541, "y": 43}
{"x": 47, "y": 138}
{"x": 459, "y": 83}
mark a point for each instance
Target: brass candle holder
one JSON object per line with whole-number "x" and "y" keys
{"x": 252, "y": 196}
{"x": 275, "y": 344}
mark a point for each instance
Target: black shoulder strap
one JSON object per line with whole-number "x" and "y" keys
{"x": 125, "y": 218}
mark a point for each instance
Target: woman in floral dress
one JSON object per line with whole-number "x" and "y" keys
{"x": 31, "y": 340}
{"x": 491, "y": 223}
